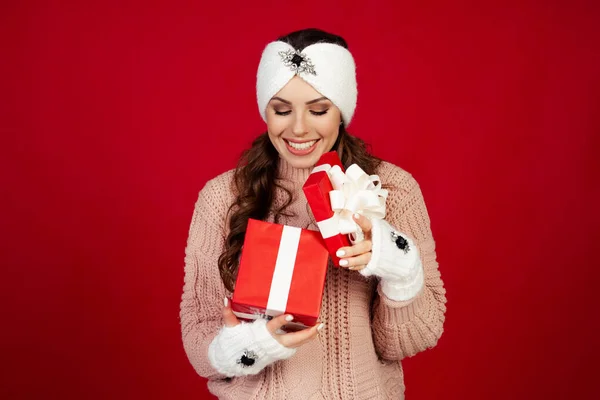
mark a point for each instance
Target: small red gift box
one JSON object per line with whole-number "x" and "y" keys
{"x": 282, "y": 270}
{"x": 316, "y": 189}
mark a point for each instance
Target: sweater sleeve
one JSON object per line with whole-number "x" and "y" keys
{"x": 203, "y": 290}
{"x": 404, "y": 328}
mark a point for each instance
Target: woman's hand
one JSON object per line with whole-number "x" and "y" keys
{"x": 391, "y": 256}
{"x": 357, "y": 256}
{"x": 290, "y": 340}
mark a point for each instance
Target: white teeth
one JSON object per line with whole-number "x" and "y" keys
{"x": 301, "y": 146}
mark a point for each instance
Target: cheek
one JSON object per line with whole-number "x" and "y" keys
{"x": 276, "y": 125}
{"x": 328, "y": 126}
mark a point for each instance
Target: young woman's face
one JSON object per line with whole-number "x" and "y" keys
{"x": 302, "y": 124}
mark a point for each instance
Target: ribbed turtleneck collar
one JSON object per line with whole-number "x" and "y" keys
{"x": 295, "y": 175}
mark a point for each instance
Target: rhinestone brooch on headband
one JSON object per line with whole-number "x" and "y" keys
{"x": 297, "y": 62}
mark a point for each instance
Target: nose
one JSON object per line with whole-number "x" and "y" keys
{"x": 300, "y": 128}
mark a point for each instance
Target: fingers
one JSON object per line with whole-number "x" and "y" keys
{"x": 359, "y": 248}
{"x": 364, "y": 223}
{"x": 357, "y": 256}
{"x": 229, "y": 318}
{"x": 291, "y": 339}
{"x": 276, "y": 323}
{"x": 297, "y": 339}
{"x": 357, "y": 262}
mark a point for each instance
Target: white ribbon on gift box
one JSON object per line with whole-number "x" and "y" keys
{"x": 284, "y": 269}
{"x": 353, "y": 192}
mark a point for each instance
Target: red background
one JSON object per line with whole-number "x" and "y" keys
{"x": 114, "y": 115}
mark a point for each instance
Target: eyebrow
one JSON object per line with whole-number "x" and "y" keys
{"x": 307, "y": 103}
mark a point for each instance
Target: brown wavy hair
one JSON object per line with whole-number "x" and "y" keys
{"x": 255, "y": 177}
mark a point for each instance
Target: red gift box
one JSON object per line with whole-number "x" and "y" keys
{"x": 282, "y": 270}
{"x": 316, "y": 189}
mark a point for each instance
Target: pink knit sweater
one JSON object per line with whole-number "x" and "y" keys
{"x": 357, "y": 354}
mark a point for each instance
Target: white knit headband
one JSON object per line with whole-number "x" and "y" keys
{"x": 327, "y": 67}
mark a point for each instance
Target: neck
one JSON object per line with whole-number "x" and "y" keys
{"x": 287, "y": 172}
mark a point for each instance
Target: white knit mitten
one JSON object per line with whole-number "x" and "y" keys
{"x": 245, "y": 349}
{"x": 401, "y": 271}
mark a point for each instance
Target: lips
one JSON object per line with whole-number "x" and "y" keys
{"x": 301, "y": 148}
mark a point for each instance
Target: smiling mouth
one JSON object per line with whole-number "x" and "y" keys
{"x": 301, "y": 146}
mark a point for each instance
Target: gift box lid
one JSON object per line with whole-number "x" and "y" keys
{"x": 317, "y": 187}
{"x": 331, "y": 158}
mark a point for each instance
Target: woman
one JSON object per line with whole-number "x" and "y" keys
{"x": 387, "y": 302}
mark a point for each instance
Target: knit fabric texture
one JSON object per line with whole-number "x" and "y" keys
{"x": 358, "y": 353}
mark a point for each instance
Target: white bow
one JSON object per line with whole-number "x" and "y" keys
{"x": 354, "y": 192}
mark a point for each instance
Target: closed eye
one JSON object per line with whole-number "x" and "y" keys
{"x": 317, "y": 113}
